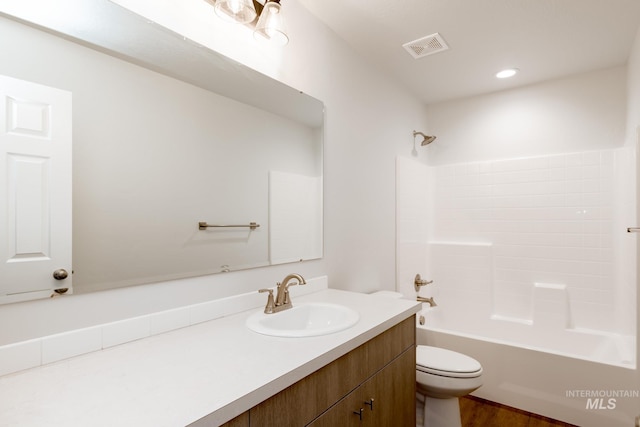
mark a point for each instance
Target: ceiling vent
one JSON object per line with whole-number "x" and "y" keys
{"x": 426, "y": 46}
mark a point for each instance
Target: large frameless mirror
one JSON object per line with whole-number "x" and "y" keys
{"x": 168, "y": 135}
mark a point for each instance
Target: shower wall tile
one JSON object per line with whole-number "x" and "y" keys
{"x": 463, "y": 275}
{"x": 551, "y": 219}
{"x": 413, "y": 206}
{"x": 625, "y": 213}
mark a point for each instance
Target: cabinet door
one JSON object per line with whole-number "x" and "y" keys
{"x": 241, "y": 420}
{"x": 393, "y": 390}
{"x": 348, "y": 412}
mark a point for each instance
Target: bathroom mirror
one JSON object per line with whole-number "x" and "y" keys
{"x": 168, "y": 134}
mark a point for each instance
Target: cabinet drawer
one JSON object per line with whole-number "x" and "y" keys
{"x": 305, "y": 400}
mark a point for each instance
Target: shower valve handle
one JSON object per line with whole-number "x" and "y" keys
{"x": 419, "y": 282}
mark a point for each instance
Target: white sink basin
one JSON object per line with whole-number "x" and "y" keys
{"x": 304, "y": 320}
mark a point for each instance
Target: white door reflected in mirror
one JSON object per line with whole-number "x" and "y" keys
{"x": 35, "y": 189}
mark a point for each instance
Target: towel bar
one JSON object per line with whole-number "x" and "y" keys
{"x": 202, "y": 225}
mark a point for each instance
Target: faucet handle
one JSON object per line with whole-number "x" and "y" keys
{"x": 418, "y": 281}
{"x": 287, "y": 297}
{"x": 268, "y": 309}
{"x": 286, "y": 284}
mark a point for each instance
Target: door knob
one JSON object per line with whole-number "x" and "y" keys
{"x": 60, "y": 274}
{"x": 633, "y": 230}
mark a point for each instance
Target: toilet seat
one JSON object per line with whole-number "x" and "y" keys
{"x": 446, "y": 363}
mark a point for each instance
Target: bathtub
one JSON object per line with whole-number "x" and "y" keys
{"x": 582, "y": 377}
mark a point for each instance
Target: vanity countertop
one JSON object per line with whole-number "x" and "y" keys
{"x": 204, "y": 374}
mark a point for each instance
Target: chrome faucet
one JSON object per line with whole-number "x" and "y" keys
{"x": 429, "y": 300}
{"x": 282, "y": 300}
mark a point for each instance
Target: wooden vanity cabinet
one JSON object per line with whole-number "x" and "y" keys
{"x": 386, "y": 399}
{"x": 382, "y": 368}
{"x": 241, "y": 420}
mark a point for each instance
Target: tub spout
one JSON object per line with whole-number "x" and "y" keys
{"x": 429, "y": 301}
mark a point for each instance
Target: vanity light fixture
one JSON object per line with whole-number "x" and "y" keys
{"x": 240, "y": 11}
{"x": 509, "y": 72}
{"x": 269, "y": 25}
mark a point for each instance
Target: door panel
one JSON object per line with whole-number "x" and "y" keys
{"x": 35, "y": 189}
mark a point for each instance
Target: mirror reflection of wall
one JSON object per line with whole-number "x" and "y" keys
{"x": 153, "y": 156}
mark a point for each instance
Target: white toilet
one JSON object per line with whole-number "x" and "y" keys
{"x": 443, "y": 376}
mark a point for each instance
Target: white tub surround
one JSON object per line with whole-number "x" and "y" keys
{"x": 537, "y": 242}
{"x": 217, "y": 369}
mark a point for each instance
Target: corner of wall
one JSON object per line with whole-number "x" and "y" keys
{"x": 633, "y": 92}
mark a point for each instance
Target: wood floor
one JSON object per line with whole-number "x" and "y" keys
{"x": 477, "y": 412}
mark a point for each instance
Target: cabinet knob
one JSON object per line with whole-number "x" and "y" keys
{"x": 369, "y": 403}
{"x": 359, "y": 413}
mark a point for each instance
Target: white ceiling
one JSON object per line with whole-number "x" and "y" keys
{"x": 545, "y": 39}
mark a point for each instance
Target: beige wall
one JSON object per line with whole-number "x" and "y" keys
{"x": 633, "y": 93}
{"x": 369, "y": 120}
{"x": 578, "y": 113}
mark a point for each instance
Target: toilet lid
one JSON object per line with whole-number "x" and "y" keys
{"x": 440, "y": 361}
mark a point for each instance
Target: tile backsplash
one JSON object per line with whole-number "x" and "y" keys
{"x": 53, "y": 348}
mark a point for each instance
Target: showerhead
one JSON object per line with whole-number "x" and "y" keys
{"x": 426, "y": 139}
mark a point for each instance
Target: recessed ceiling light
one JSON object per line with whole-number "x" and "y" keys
{"x": 509, "y": 72}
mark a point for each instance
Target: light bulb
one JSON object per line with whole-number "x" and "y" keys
{"x": 509, "y": 72}
{"x": 271, "y": 24}
{"x": 240, "y": 11}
